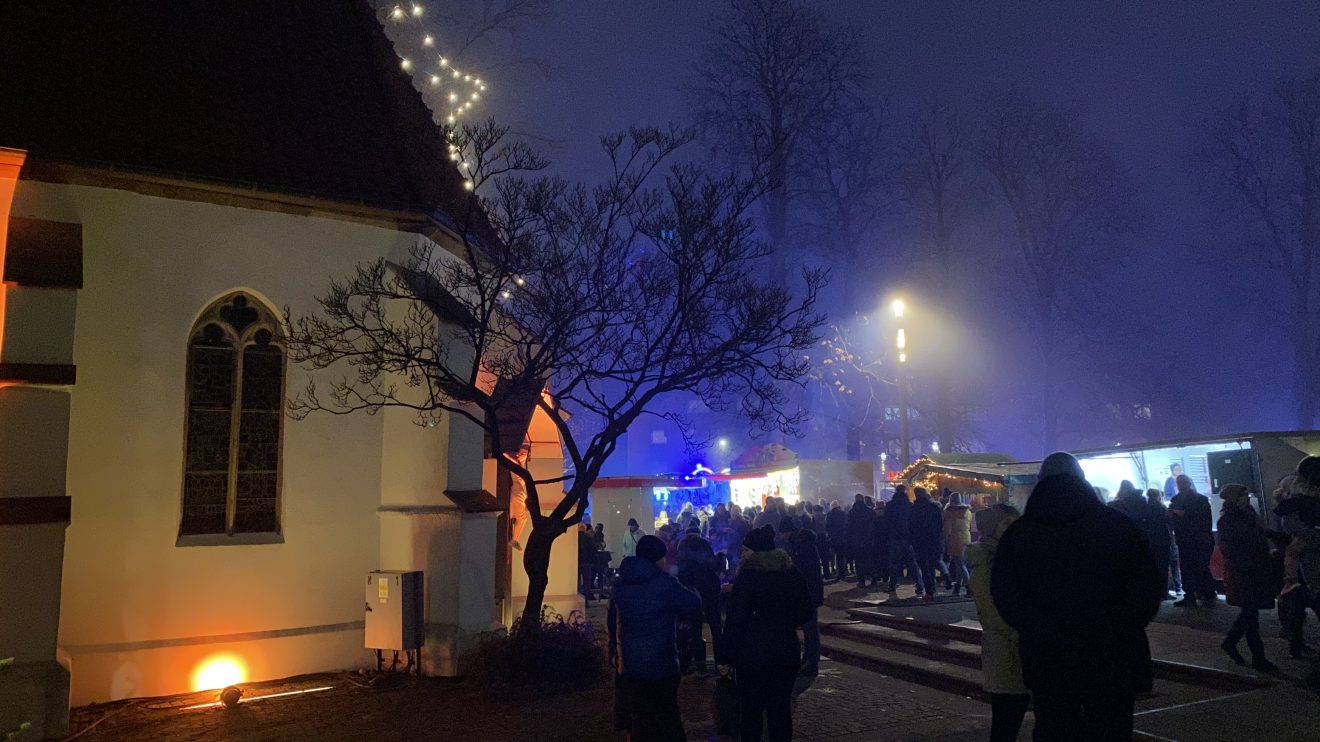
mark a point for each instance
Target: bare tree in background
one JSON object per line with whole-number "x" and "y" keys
{"x": 939, "y": 177}
{"x": 1264, "y": 154}
{"x": 590, "y": 303}
{"x": 770, "y": 77}
{"x": 1061, "y": 189}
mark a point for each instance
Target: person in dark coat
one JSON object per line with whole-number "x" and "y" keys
{"x": 926, "y": 532}
{"x": 898, "y": 515}
{"x": 769, "y": 602}
{"x": 1159, "y": 536}
{"x": 587, "y": 559}
{"x": 646, "y": 605}
{"x": 801, "y": 546}
{"x": 699, "y": 570}
{"x": 836, "y": 529}
{"x": 861, "y": 531}
{"x": 880, "y": 544}
{"x": 1252, "y": 577}
{"x": 1076, "y": 580}
{"x": 1193, "y": 528}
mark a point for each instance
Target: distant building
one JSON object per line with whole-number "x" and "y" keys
{"x": 171, "y": 179}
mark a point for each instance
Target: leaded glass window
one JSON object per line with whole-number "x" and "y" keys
{"x": 231, "y": 478}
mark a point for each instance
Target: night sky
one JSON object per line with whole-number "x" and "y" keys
{"x": 1142, "y": 76}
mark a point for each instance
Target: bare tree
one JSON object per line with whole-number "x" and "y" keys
{"x": 1264, "y": 155}
{"x": 939, "y": 175}
{"x": 850, "y": 182}
{"x": 771, "y": 74}
{"x": 1061, "y": 189}
{"x": 583, "y": 302}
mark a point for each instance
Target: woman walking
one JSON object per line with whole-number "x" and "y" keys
{"x": 769, "y": 602}
{"x": 1000, "y": 664}
{"x": 1251, "y": 576}
{"x": 957, "y": 536}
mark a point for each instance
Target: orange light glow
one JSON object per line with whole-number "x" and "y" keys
{"x": 218, "y": 671}
{"x": 11, "y": 162}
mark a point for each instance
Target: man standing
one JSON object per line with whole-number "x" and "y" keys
{"x": 586, "y": 563}
{"x": 1171, "y": 484}
{"x": 699, "y": 570}
{"x": 801, "y": 546}
{"x": 898, "y": 516}
{"x": 836, "y": 530}
{"x": 861, "y": 530}
{"x": 1076, "y": 580}
{"x": 630, "y": 538}
{"x": 926, "y": 531}
{"x": 645, "y": 608}
{"x": 1193, "y": 528}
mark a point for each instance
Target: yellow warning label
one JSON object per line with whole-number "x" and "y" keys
{"x": 383, "y": 589}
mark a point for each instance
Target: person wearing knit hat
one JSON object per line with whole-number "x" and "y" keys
{"x": 769, "y": 602}
{"x": 646, "y": 605}
{"x": 1076, "y": 581}
{"x": 1251, "y": 579}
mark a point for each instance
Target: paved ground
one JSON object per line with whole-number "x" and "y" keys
{"x": 843, "y": 704}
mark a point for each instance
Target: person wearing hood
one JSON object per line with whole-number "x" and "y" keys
{"x": 646, "y": 605}
{"x": 630, "y": 538}
{"x": 957, "y": 537}
{"x": 801, "y": 546}
{"x": 861, "y": 532}
{"x": 1001, "y": 667}
{"x": 1084, "y": 649}
{"x": 699, "y": 570}
{"x": 926, "y": 532}
{"x": 769, "y": 602}
{"x": 1193, "y": 528}
{"x": 1251, "y": 576}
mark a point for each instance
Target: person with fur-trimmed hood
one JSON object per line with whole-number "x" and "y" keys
{"x": 770, "y": 601}
{"x": 1077, "y": 582}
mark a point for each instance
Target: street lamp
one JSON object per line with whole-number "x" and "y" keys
{"x": 901, "y": 341}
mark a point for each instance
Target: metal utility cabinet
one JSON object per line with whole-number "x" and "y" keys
{"x": 394, "y": 613}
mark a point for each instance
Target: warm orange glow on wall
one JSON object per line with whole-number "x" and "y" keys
{"x": 218, "y": 671}
{"x": 11, "y": 161}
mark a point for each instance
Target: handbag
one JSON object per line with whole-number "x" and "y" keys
{"x": 727, "y": 710}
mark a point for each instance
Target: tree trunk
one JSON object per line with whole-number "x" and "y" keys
{"x": 536, "y": 560}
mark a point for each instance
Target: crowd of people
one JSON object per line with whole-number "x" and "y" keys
{"x": 1064, "y": 589}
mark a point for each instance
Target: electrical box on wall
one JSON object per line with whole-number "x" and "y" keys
{"x": 394, "y": 614}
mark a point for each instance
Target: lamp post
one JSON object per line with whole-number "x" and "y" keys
{"x": 901, "y": 341}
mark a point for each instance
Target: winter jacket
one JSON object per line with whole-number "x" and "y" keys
{"x": 769, "y": 601}
{"x": 1193, "y": 529}
{"x": 630, "y": 542}
{"x": 860, "y": 527}
{"x": 836, "y": 526}
{"x": 1158, "y": 533}
{"x": 957, "y": 529}
{"x": 645, "y": 607}
{"x": 806, "y": 559}
{"x": 768, "y": 517}
{"x": 1077, "y": 582}
{"x": 697, "y": 566}
{"x": 926, "y": 524}
{"x": 1251, "y": 577}
{"x": 1300, "y": 517}
{"x": 1001, "y": 666}
{"x": 898, "y": 514}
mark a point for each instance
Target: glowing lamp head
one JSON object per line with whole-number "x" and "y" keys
{"x": 219, "y": 671}
{"x": 899, "y": 307}
{"x": 902, "y": 357}
{"x": 723, "y": 443}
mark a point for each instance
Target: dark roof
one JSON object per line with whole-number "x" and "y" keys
{"x": 303, "y": 98}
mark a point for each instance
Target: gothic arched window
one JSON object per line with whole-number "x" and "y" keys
{"x": 231, "y": 471}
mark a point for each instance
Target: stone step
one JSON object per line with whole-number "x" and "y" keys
{"x": 952, "y": 652}
{"x": 931, "y": 673}
{"x": 968, "y": 635}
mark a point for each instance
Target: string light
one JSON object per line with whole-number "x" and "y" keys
{"x": 413, "y": 12}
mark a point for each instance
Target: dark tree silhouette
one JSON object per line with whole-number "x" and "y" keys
{"x": 938, "y": 174}
{"x": 769, "y": 79}
{"x": 1263, "y": 152}
{"x": 1062, "y": 192}
{"x": 589, "y": 302}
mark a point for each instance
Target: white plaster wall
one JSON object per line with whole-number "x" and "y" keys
{"x": 150, "y": 266}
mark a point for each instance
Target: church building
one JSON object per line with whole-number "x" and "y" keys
{"x": 173, "y": 178}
